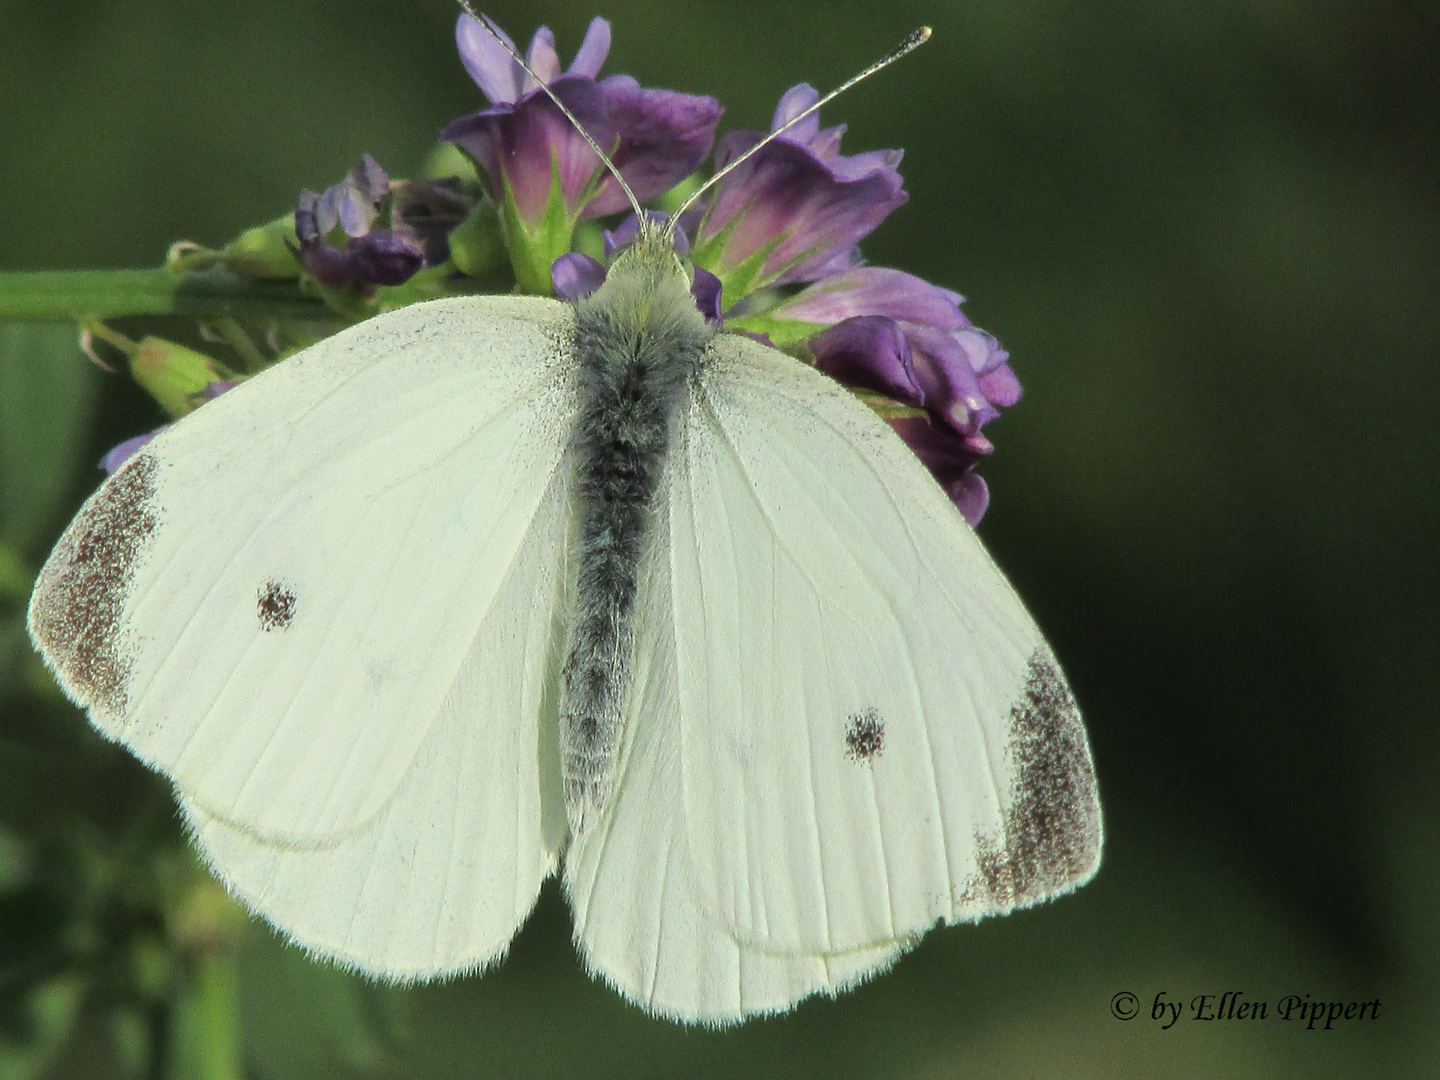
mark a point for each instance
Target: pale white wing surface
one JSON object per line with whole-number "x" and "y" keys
{"x": 639, "y": 921}
{"x": 274, "y": 599}
{"x": 439, "y": 880}
{"x": 873, "y": 734}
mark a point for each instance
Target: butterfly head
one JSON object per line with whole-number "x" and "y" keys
{"x": 651, "y": 248}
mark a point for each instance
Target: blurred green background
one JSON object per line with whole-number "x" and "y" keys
{"x": 1207, "y": 233}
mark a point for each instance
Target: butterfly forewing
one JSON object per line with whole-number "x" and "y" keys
{"x": 856, "y": 680}
{"x": 274, "y": 599}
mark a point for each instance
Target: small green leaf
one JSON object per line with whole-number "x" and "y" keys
{"x": 262, "y": 252}
{"x": 783, "y": 333}
{"x": 447, "y": 159}
{"x": 534, "y": 246}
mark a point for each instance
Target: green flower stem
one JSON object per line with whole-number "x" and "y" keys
{"x": 110, "y": 336}
{"x": 239, "y": 340}
{"x": 207, "y": 1039}
{"x": 84, "y": 295}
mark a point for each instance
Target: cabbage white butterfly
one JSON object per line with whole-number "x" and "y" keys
{"x": 489, "y": 589}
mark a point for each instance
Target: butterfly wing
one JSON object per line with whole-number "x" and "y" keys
{"x": 640, "y": 922}
{"x": 872, "y": 734}
{"x": 277, "y": 601}
{"x": 439, "y": 880}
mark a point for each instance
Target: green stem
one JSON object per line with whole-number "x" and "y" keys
{"x": 79, "y": 295}
{"x": 240, "y": 341}
{"x": 207, "y": 1039}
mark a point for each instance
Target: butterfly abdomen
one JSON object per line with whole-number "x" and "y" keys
{"x": 639, "y": 338}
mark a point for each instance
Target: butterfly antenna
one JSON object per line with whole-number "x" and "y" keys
{"x": 494, "y": 31}
{"x": 910, "y": 44}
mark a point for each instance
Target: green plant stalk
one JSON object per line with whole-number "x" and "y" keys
{"x": 207, "y": 1039}
{"x": 80, "y": 295}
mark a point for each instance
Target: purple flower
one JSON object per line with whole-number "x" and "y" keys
{"x": 796, "y": 210}
{"x": 955, "y": 371}
{"x": 348, "y": 212}
{"x": 117, "y": 455}
{"x": 950, "y": 460}
{"x": 893, "y": 334}
{"x": 532, "y": 152}
{"x": 575, "y": 276}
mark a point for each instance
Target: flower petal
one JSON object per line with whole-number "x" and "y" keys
{"x": 792, "y": 103}
{"x": 593, "y": 50}
{"x": 787, "y": 202}
{"x": 663, "y": 136}
{"x": 950, "y": 460}
{"x": 542, "y": 59}
{"x": 576, "y": 276}
{"x": 875, "y": 290}
{"x": 117, "y": 455}
{"x": 1001, "y": 386}
{"x": 380, "y": 257}
{"x": 869, "y": 352}
{"x": 518, "y": 145}
{"x": 494, "y": 70}
{"x": 706, "y": 290}
{"x": 952, "y": 389}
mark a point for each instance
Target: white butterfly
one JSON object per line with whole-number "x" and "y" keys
{"x": 422, "y": 616}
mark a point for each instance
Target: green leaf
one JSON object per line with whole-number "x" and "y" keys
{"x": 47, "y": 391}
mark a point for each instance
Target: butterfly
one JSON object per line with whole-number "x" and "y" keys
{"x": 489, "y": 589}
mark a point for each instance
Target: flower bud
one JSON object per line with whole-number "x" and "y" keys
{"x": 175, "y": 376}
{"x": 476, "y": 245}
{"x": 261, "y": 252}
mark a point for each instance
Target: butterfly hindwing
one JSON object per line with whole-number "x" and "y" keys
{"x": 640, "y": 919}
{"x": 442, "y": 877}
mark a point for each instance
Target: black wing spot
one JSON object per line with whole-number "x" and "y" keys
{"x": 80, "y": 596}
{"x": 275, "y": 606}
{"x": 1051, "y": 841}
{"x": 865, "y": 737}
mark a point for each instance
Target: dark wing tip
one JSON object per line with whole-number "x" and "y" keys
{"x": 80, "y": 595}
{"x": 1052, "y": 834}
